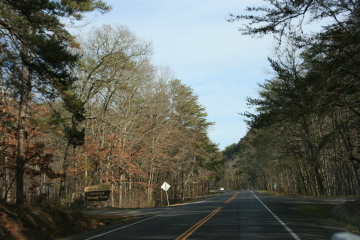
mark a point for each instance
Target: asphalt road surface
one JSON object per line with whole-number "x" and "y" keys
{"x": 231, "y": 215}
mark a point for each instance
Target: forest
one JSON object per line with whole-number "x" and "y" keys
{"x": 304, "y": 133}
{"x": 78, "y": 111}
{"x": 87, "y": 109}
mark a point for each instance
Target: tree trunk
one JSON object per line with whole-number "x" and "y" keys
{"x": 22, "y": 138}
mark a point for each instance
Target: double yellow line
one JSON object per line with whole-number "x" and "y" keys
{"x": 227, "y": 201}
{"x": 191, "y": 230}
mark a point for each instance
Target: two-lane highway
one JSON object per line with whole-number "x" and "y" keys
{"x": 232, "y": 215}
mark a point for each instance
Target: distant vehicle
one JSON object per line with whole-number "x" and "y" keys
{"x": 221, "y": 189}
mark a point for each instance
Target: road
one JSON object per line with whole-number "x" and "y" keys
{"x": 231, "y": 215}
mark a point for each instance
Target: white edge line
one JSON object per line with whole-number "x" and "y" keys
{"x": 122, "y": 227}
{"x": 140, "y": 221}
{"x": 282, "y": 223}
{"x": 189, "y": 203}
{"x": 202, "y": 200}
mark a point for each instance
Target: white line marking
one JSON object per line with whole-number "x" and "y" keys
{"x": 122, "y": 227}
{"x": 286, "y": 227}
{"x": 139, "y": 221}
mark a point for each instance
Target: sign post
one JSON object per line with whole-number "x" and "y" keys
{"x": 166, "y": 187}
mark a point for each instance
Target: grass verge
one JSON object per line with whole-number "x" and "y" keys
{"x": 346, "y": 215}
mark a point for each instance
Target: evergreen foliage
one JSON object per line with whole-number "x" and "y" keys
{"x": 36, "y": 61}
{"x": 305, "y": 128}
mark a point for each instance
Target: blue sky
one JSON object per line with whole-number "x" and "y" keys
{"x": 204, "y": 51}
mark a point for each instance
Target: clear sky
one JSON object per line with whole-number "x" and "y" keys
{"x": 204, "y": 51}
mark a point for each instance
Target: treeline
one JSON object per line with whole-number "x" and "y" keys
{"x": 304, "y": 134}
{"x": 80, "y": 111}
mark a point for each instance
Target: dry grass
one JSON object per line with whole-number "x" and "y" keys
{"x": 346, "y": 215}
{"x": 349, "y": 214}
{"x": 37, "y": 223}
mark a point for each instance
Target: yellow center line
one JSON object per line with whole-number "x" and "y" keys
{"x": 227, "y": 201}
{"x": 191, "y": 230}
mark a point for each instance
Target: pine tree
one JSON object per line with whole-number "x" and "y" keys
{"x": 36, "y": 61}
